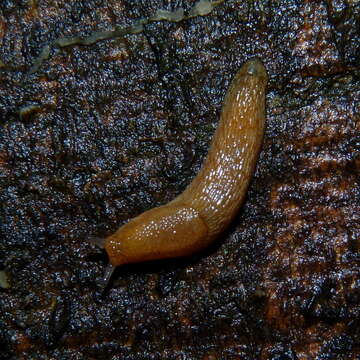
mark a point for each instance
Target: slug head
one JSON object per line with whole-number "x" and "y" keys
{"x": 163, "y": 232}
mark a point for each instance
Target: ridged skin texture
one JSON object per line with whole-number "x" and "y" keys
{"x": 206, "y": 207}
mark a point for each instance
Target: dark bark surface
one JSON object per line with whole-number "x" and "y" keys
{"x": 98, "y": 134}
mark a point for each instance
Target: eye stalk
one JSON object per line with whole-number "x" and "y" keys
{"x": 107, "y": 276}
{"x": 97, "y": 241}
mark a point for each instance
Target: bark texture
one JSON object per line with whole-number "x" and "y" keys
{"x": 100, "y": 133}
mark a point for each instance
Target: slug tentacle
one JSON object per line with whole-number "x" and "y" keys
{"x": 193, "y": 219}
{"x": 97, "y": 241}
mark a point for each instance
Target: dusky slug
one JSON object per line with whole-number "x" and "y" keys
{"x": 196, "y": 217}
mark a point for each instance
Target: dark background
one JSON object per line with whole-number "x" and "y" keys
{"x": 100, "y": 133}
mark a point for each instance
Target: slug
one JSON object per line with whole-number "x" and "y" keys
{"x": 196, "y": 217}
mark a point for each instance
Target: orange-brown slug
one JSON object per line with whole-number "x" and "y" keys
{"x": 196, "y": 217}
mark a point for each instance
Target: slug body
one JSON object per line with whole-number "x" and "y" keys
{"x": 196, "y": 217}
